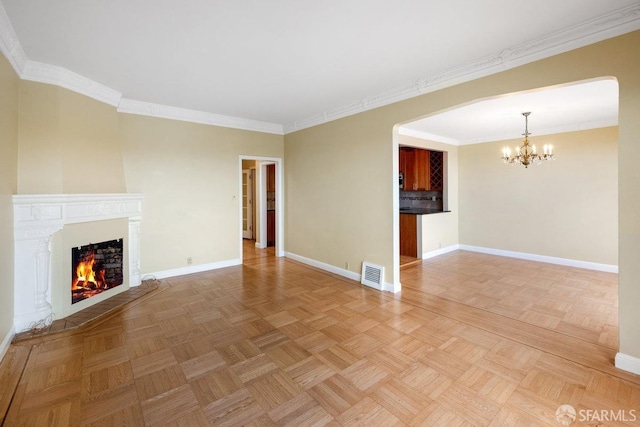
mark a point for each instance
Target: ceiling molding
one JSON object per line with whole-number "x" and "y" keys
{"x": 601, "y": 28}
{"x": 26, "y": 69}
{"x": 51, "y": 74}
{"x": 9, "y": 44}
{"x": 589, "y": 32}
{"x": 131, "y": 106}
{"x": 573, "y": 127}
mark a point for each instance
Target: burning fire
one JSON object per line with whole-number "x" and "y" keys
{"x": 86, "y": 276}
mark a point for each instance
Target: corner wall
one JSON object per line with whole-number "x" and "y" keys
{"x": 190, "y": 176}
{"x": 9, "y": 96}
{"x": 565, "y": 208}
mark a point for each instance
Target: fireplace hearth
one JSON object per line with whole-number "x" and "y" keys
{"x": 37, "y": 218}
{"x": 96, "y": 268}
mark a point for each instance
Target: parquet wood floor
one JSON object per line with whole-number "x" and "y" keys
{"x": 274, "y": 342}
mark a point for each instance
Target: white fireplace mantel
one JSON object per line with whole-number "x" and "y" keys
{"x": 36, "y": 218}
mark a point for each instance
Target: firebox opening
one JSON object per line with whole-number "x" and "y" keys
{"x": 96, "y": 268}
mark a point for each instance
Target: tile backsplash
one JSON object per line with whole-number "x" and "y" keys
{"x": 421, "y": 199}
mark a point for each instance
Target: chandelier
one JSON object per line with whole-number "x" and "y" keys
{"x": 526, "y": 154}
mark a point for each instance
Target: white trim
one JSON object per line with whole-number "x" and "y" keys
{"x": 388, "y": 287}
{"x": 132, "y": 106}
{"x": 194, "y": 269}
{"x": 6, "y": 342}
{"x": 441, "y": 251}
{"x": 601, "y": 28}
{"x": 628, "y": 363}
{"x": 261, "y": 190}
{"x": 51, "y": 74}
{"x": 543, "y": 258}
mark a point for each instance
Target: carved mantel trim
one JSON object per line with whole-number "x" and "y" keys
{"x": 36, "y": 218}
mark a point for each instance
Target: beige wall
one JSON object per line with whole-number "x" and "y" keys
{"x": 9, "y": 93}
{"x": 340, "y": 175}
{"x": 337, "y": 187}
{"x": 440, "y": 231}
{"x": 189, "y": 173}
{"x": 566, "y": 208}
{"x": 190, "y": 176}
{"x": 69, "y": 143}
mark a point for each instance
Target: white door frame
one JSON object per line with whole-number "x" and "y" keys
{"x": 248, "y": 233}
{"x": 261, "y": 202}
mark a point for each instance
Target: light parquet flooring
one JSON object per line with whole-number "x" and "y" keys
{"x": 572, "y": 301}
{"x": 274, "y": 342}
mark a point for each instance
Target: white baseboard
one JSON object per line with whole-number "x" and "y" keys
{"x": 441, "y": 251}
{"x": 6, "y": 342}
{"x": 194, "y": 269}
{"x": 388, "y": 287}
{"x": 628, "y": 363}
{"x": 542, "y": 258}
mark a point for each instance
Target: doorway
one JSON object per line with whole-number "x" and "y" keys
{"x": 261, "y": 208}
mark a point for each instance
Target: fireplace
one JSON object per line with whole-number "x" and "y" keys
{"x": 96, "y": 268}
{"x": 53, "y": 232}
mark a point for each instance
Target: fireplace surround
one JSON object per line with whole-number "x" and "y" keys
{"x": 37, "y": 218}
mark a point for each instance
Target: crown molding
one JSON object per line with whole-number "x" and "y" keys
{"x": 604, "y": 27}
{"x": 131, "y": 106}
{"x": 51, "y": 74}
{"x": 26, "y": 69}
{"x": 10, "y": 46}
{"x": 589, "y": 32}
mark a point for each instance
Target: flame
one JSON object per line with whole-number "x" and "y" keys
{"x": 84, "y": 272}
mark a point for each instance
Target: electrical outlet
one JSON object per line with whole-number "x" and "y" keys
{"x": 189, "y": 260}
{"x": 346, "y": 265}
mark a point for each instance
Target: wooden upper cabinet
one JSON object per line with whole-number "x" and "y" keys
{"x": 422, "y": 169}
{"x": 271, "y": 177}
{"x": 414, "y": 164}
{"x": 407, "y": 158}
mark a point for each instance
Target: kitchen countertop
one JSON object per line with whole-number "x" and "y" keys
{"x": 420, "y": 211}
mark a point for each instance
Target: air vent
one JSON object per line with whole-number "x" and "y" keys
{"x": 372, "y": 275}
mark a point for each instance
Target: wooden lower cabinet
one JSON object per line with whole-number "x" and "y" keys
{"x": 409, "y": 235}
{"x": 271, "y": 228}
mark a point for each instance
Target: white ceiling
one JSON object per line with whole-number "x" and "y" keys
{"x": 289, "y": 64}
{"x": 580, "y": 106}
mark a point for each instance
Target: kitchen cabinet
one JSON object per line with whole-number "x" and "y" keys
{"x": 415, "y": 167}
{"x": 409, "y": 235}
{"x": 271, "y": 178}
{"x": 271, "y": 228}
